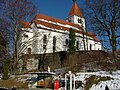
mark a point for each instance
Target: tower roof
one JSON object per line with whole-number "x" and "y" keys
{"x": 75, "y": 10}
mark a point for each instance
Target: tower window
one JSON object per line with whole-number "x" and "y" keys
{"x": 82, "y": 25}
{"x": 80, "y": 20}
{"x": 69, "y": 20}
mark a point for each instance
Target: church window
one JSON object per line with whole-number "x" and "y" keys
{"x": 44, "y": 41}
{"x": 29, "y": 50}
{"x": 54, "y": 43}
{"x": 25, "y": 35}
{"x": 77, "y": 45}
{"x": 79, "y": 20}
{"x": 90, "y": 46}
{"x": 66, "y": 42}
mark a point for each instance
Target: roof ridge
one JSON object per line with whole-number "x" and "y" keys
{"x": 50, "y": 18}
{"x": 58, "y": 27}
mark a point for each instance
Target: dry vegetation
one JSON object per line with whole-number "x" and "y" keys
{"x": 94, "y": 80}
{"x": 10, "y": 83}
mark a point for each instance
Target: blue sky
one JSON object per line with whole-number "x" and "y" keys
{"x": 56, "y": 8}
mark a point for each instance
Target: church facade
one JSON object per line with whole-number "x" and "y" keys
{"x": 44, "y": 32}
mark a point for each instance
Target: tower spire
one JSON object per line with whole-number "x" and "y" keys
{"x": 75, "y": 10}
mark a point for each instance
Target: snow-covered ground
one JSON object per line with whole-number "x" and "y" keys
{"x": 113, "y": 84}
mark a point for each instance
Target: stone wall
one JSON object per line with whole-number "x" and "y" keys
{"x": 54, "y": 61}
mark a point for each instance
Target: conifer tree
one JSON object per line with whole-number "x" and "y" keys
{"x": 72, "y": 41}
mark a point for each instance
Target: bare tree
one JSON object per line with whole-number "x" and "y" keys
{"x": 41, "y": 59}
{"x": 104, "y": 17}
{"x": 72, "y": 41}
{"x": 4, "y": 54}
{"x": 14, "y": 11}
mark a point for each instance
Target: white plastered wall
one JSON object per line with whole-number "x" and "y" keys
{"x": 61, "y": 36}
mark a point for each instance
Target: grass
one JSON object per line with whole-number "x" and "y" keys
{"x": 94, "y": 80}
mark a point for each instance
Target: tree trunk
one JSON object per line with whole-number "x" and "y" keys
{"x": 114, "y": 53}
{"x": 16, "y": 56}
{"x": 84, "y": 42}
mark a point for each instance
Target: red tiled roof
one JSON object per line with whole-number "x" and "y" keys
{"x": 50, "y": 25}
{"x": 55, "y": 20}
{"x": 88, "y": 34}
{"x": 75, "y": 10}
{"x": 56, "y": 26}
{"x": 93, "y": 36}
{"x": 25, "y": 24}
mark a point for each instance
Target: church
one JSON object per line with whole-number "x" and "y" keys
{"x": 44, "y": 32}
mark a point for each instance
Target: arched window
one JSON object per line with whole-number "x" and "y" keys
{"x": 80, "y": 20}
{"x": 77, "y": 45}
{"x": 69, "y": 20}
{"x": 44, "y": 41}
{"x": 54, "y": 44}
{"x": 67, "y": 42}
{"x": 90, "y": 46}
{"x": 25, "y": 35}
{"x": 29, "y": 50}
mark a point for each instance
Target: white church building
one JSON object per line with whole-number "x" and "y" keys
{"x": 38, "y": 35}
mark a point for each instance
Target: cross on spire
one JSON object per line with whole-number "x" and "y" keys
{"x": 73, "y": 0}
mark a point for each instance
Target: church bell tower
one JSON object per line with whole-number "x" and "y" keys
{"x": 75, "y": 16}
